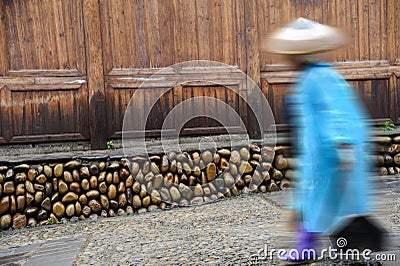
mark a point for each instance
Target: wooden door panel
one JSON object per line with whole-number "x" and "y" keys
{"x": 119, "y": 95}
{"x": 45, "y": 37}
{"x": 45, "y": 113}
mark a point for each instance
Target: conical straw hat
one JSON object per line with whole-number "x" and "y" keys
{"x": 304, "y": 36}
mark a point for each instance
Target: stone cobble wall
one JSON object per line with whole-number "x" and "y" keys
{"x": 48, "y": 193}
{"x": 388, "y": 154}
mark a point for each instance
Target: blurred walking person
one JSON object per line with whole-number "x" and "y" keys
{"x": 330, "y": 129}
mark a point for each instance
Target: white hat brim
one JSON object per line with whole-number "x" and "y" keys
{"x": 304, "y": 37}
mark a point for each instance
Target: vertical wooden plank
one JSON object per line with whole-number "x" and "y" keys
{"x": 394, "y": 99}
{"x": 167, "y": 25}
{"x": 177, "y": 32}
{"x": 4, "y": 59}
{"x": 152, "y": 32}
{"x": 13, "y": 32}
{"x": 392, "y": 21}
{"x": 397, "y": 88}
{"x": 59, "y": 34}
{"x": 332, "y": 16}
{"x": 94, "y": 57}
{"x": 383, "y": 34}
{"x": 216, "y": 30}
{"x": 227, "y": 41}
{"x": 190, "y": 28}
{"x": 353, "y": 31}
{"x": 240, "y": 36}
{"x": 74, "y": 35}
{"x": 373, "y": 30}
{"x": 178, "y": 98}
{"x": 252, "y": 42}
{"x": 142, "y": 59}
{"x": 341, "y": 12}
{"x": 397, "y": 31}
{"x": 253, "y": 63}
{"x": 363, "y": 22}
{"x": 203, "y": 30}
{"x": 6, "y": 113}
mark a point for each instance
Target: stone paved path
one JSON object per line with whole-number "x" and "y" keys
{"x": 227, "y": 232}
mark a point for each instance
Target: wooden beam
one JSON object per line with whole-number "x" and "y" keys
{"x": 252, "y": 64}
{"x": 95, "y": 74}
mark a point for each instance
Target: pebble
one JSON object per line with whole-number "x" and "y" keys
{"x": 93, "y": 216}
{"x": 224, "y": 152}
{"x": 5, "y": 221}
{"x": 42, "y": 215}
{"x": 32, "y": 222}
{"x": 75, "y": 187}
{"x": 70, "y": 210}
{"x": 84, "y": 172}
{"x": 86, "y": 211}
{"x": 83, "y": 199}
{"x": 58, "y": 170}
{"x": 175, "y": 194}
{"x": 92, "y": 194}
{"x": 94, "y": 169}
{"x": 48, "y": 171}
{"x": 31, "y": 211}
{"x": 211, "y": 172}
{"x": 78, "y": 208}
{"x": 19, "y": 221}
{"x": 62, "y": 187}
{"x": 85, "y": 185}
{"x": 38, "y": 187}
{"x": 32, "y": 173}
{"x": 244, "y": 154}
{"x": 235, "y": 157}
{"x": 58, "y": 209}
{"x": 70, "y": 197}
{"x": 136, "y": 201}
{"x": 8, "y": 187}
{"x": 207, "y": 156}
{"x": 104, "y": 202}
{"x": 72, "y": 164}
{"x": 30, "y": 199}
{"x": 20, "y": 177}
{"x": 20, "y": 203}
{"x": 4, "y": 204}
{"x": 39, "y": 195}
{"x": 245, "y": 167}
{"x": 112, "y": 191}
{"x": 94, "y": 205}
{"x": 22, "y": 167}
{"x": 120, "y": 212}
{"x": 68, "y": 177}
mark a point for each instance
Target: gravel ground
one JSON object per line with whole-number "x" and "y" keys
{"x": 221, "y": 233}
{"x": 226, "y": 232}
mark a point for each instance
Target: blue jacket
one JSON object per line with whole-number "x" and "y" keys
{"x": 326, "y": 112}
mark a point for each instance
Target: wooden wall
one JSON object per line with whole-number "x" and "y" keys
{"x": 69, "y": 68}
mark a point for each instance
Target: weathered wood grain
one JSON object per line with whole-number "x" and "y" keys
{"x": 69, "y": 68}
{"x": 94, "y": 59}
